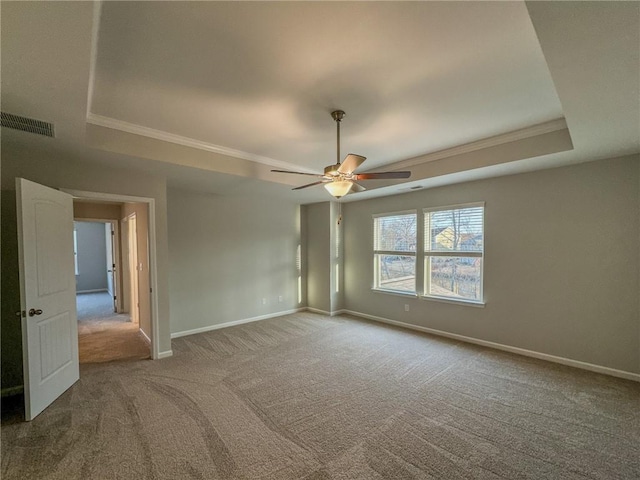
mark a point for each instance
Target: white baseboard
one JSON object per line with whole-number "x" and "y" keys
{"x": 507, "y": 348}
{"x": 7, "y": 392}
{"x": 93, "y": 291}
{"x": 145, "y": 336}
{"x": 165, "y": 354}
{"x": 233, "y": 323}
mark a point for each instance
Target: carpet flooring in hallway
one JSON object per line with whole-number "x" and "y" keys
{"x": 104, "y": 335}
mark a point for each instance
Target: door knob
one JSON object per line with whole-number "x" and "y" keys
{"x": 34, "y": 311}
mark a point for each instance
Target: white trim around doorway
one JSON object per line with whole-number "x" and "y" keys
{"x": 112, "y": 197}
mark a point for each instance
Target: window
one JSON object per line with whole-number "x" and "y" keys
{"x": 453, "y": 252}
{"x": 75, "y": 250}
{"x": 338, "y": 246}
{"x": 299, "y": 271}
{"x": 394, "y": 256}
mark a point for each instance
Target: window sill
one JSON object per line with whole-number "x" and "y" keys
{"x": 395, "y": 292}
{"x": 467, "y": 303}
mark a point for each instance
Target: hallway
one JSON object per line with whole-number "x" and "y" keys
{"x": 103, "y": 335}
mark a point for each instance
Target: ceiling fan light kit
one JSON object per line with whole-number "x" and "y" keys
{"x": 339, "y": 188}
{"x": 339, "y": 179}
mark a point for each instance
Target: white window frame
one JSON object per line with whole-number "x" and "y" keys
{"x": 407, "y": 253}
{"x": 75, "y": 250}
{"x": 427, "y": 254}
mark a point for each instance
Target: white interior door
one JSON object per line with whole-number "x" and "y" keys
{"x": 47, "y": 294}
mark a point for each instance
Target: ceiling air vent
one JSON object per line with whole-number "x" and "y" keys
{"x": 27, "y": 124}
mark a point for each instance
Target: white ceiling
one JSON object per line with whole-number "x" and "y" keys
{"x": 214, "y": 94}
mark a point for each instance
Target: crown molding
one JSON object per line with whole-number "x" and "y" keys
{"x": 132, "y": 128}
{"x": 97, "y": 13}
{"x": 516, "y": 135}
{"x": 528, "y": 132}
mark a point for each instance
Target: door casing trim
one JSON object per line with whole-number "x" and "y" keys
{"x": 151, "y": 204}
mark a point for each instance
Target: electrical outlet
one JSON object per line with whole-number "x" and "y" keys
{"x": 264, "y": 301}
{"x": 406, "y": 307}
{"x": 280, "y": 298}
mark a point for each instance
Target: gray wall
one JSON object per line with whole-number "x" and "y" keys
{"x": 11, "y": 337}
{"x": 561, "y": 262}
{"x": 47, "y": 168}
{"x": 318, "y": 255}
{"x": 324, "y": 249}
{"x": 227, "y": 254}
{"x": 92, "y": 256}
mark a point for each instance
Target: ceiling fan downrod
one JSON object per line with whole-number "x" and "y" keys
{"x": 338, "y": 115}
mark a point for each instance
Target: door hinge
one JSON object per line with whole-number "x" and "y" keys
{"x": 112, "y": 232}
{"x": 115, "y": 297}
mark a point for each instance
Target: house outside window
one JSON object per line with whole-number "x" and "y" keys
{"x": 453, "y": 252}
{"x": 440, "y": 258}
{"x": 394, "y": 239}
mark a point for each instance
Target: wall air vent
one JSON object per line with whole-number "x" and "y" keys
{"x": 27, "y": 124}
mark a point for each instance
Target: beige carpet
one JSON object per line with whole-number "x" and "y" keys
{"x": 110, "y": 339}
{"x": 312, "y": 397}
{"x": 103, "y": 335}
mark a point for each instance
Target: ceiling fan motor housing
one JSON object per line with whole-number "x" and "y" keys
{"x": 332, "y": 170}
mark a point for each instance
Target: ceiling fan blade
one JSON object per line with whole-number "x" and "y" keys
{"x": 356, "y": 187}
{"x": 311, "y": 184}
{"x": 351, "y": 162}
{"x": 380, "y": 175}
{"x": 298, "y": 173}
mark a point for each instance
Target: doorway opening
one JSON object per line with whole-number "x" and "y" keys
{"x": 48, "y": 313}
{"x": 112, "y": 276}
{"x": 94, "y": 206}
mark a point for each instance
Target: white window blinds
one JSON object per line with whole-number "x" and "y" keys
{"x": 395, "y": 233}
{"x": 394, "y": 252}
{"x": 453, "y": 252}
{"x": 454, "y": 230}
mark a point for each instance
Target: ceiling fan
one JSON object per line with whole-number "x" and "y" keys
{"x": 340, "y": 179}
